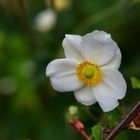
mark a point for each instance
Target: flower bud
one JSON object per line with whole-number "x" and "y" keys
{"x": 73, "y": 110}
{"x": 77, "y": 125}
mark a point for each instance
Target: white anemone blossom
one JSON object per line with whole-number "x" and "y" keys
{"x": 90, "y": 69}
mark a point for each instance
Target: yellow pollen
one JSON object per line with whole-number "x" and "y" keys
{"x": 89, "y": 73}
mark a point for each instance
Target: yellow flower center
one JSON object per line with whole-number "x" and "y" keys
{"x": 89, "y": 73}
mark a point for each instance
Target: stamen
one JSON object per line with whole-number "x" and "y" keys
{"x": 89, "y": 73}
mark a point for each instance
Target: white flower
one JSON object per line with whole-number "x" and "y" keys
{"x": 45, "y": 20}
{"x": 90, "y": 69}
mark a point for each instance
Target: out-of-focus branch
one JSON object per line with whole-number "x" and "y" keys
{"x": 26, "y": 23}
{"x": 125, "y": 121}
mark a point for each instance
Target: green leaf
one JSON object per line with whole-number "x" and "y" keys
{"x": 135, "y": 83}
{"x": 112, "y": 118}
{"x": 96, "y": 132}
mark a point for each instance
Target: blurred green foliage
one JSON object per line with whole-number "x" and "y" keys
{"x": 135, "y": 83}
{"x": 96, "y": 131}
{"x": 29, "y": 106}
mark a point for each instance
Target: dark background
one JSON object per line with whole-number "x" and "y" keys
{"x": 29, "y": 106}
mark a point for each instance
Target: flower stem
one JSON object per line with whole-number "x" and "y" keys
{"x": 85, "y": 135}
{"x": 126, "y": 120}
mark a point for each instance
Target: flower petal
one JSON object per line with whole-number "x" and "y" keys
{"x": 116, "y": 61}
{"x": 71, "y": 45}
{"x": 98, "y": 47}
{"x": 66, "y": 83}
{"x": 62, "y": 73}
{"x": 104, "y": 97}
{"x": 114, "y": 80}
{"x": 85, "y": 96}
{"x": 61, "y": 67}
